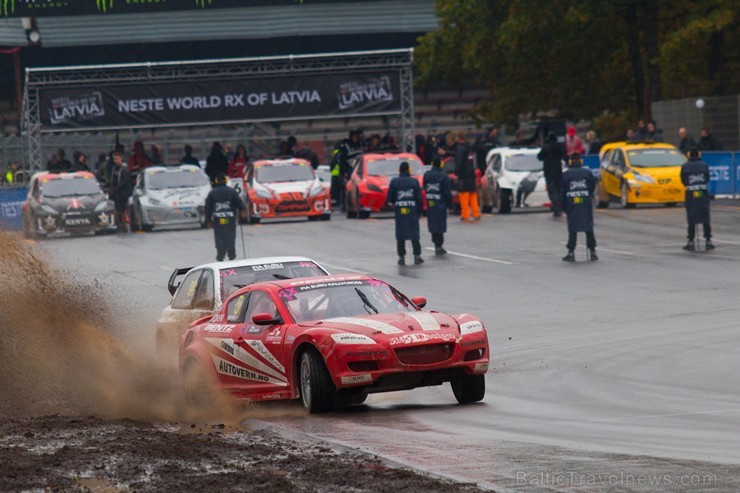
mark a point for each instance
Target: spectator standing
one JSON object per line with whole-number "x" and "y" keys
{"x": 552, "y": 156}
{"x": 238, "y": 163}
{"x": 188, "y": 158}
{"x": 695, "y": 177}
{"x": 686, "y": 141}
{"x": 592, "y": 144}
{"x": 216, "y": 163}
{"x": 119, "y": 148}
{"x": 309, "y": 155}
{"x": 707, "y": 142}
{"x": 80, "y": 162}
{"x": 58, "y": 163}
{"x": 641, "y": 131}
{"x": 404, "y": 195}
{"x": 573, "y": 143}
{"x": 120, "y": 190}
{"x": 138, "y": 161}
{"x": 222, "y": 204}
{"x": 629, "y": 135}
{"x": 576, "y": 195}
{"x": 466, "y": 180}
{"x": 8, "y": 178}
{"x": 156, "y": 157}
{"x": 654, "y": 133}
{"x": 101, "y": 169}
{"x": 484, "y": 146}
{"x": 439, "y": 200}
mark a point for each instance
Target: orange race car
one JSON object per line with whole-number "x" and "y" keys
{"x": 278, "y": 188}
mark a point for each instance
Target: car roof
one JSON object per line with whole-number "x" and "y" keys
{"x": 510, "y": 151}
{"x": 166, "y": 167}
{"x": 58, "y": 176}
{"x": 254, "y": 261}
{"x": 283, "y": 161}
{"x": 389, "y": 154}
{"x": 628, "y": 146}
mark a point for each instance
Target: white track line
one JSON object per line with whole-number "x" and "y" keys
{"x": 475, "y": 257}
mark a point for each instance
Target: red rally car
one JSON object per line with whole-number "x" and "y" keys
{"x": 367, "y": 187}
{"x": 330, "y": 341}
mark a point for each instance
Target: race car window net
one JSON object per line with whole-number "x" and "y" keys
{"x": 296, "y": 172}
{"x": 238, "y": 277}
{"x": 74, "y": 187}
{"x": 389, "y": 167}
{"x": 236, "y": 309}
{"x": 523, "y": 163}
{"x": 655, "y": 158}
{"x": 342, "y": 299}
{"x": 175, "y": 179}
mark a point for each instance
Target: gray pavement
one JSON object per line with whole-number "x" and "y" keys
{"x": 626, "y": 366}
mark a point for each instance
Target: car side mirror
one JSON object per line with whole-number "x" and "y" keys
{"x": 420, "y": 301}
{"x": 265, "y": 319}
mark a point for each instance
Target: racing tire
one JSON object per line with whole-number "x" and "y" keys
{"x": 313, "y": 218}
{"x": 134, "y": 221}
{"x": 147, "y": 228}
{"x": 325, "y": 217}
{"x": 504, "y": 201}
{"x": 197, "y": 390}
{"x": 363, "y": 214}
{"x": 487, "y": 209}
{"x": 351, "y": 400}
{"x": 624, "y": 197}
{"x": 671, "y": 204}
{"x": 317, "y": 390}
{"x": 254, "y": 220}
{"x": 468, "y": 388}
{"x": 351, "y": 213}
{"x": 602, "y": 205}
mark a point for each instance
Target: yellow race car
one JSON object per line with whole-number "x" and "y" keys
{"x": 639, "y": 173}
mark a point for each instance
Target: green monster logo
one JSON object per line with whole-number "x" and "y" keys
{"x": 202, "y": 3}
{"x": 104, "y": 5}
{"x": 8, "y": 7}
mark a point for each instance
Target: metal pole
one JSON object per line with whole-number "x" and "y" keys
{"x": 241, "y": 231}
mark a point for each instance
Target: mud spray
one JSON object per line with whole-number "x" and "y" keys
{"x": 57, "y": 354}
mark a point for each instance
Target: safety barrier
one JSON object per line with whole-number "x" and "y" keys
{"x": 11, "y": 203}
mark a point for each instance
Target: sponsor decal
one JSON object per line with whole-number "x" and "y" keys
{"x": 227, "y": 347}
{"x": 426, "y": 320}
{"x": 364, "y": 378}
{"x": 471, "y": 327}
{"x": 217, "y": 317}
{"x": 79, "y": 221}
{"x": 218, "y": 328}
{"x": 80, "y": 107}
{"x": 254, "y": 329}
{"x": 274, "y": 335}
{"x": 272, "y": 396}
{"x": 226, "y": 368}
{"x": 261, "y": 349}
{"x": 355, "y": 93}
{"x": 291, "y": 338}
{"x": 352, "y": 339}
{"x": 258, "y": 268}
{"x": 368, "y": 323}
{"x": 477, "y": 342}
{"x": 332, "y": 284}
{"x": 248, "y": 359}
{"x": 75, "y": 204}
{"x": 381, "y": 353}
{"x": 421, "y": 337}
{"x": 480, "y": 367}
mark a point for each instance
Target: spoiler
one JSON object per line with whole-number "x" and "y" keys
{"x": 171, "y": 285}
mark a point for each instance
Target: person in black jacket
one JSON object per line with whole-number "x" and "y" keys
{"x": 404, "y": 194}
{"x": 439, "y": 200}
{"x": 120, "y": 190}
{"x": 552, "y": 155}
{"x": 465, "y": 171}
{"x": 707, "y": 142}
{"x": 695, "y": 177}
{"x": 216, "y": 163}
{"x": 576, "y": 194}
{"x": 222, "y": 204}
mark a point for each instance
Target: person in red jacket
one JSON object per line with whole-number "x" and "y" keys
{"x": 573, "y": 143}
{"x": 238, "y": 163}
{"x": 138, "y": 161}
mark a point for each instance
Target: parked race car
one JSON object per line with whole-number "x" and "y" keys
{"x": 367, "y": 187}
{"x": 330, "y": 341}
{"x": 280, "y": 188}
{"x": 66, "y": 203}
{"x": 640, "y": 173}
{"x": 203, "y": 289}
{"x": 169, "y": 196}
{"x": 513, "y": 177}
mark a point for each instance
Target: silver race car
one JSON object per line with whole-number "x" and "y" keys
{"x": 169, "y": 196}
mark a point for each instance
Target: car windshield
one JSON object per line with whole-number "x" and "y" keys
{"x": 389, "y": 167}
{"x": 235, "y": 278}
{"x": 347, "y": 298}
{"x": 67, "y": 187}
{"x": 655, "y": 158}
{"x": 523, "y": 162}
{"x": 291, "y": 172}
{"x": 175, "y": 178}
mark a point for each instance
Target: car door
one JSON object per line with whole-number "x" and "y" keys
{"x": 260, "y": 347}
{"x": 357, "y": 174}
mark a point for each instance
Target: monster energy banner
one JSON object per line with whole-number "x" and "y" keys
{"x": 39, "y": 8}
{"x": 228, "y": 101}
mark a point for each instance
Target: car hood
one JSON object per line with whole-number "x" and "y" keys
{"x": 190, "y": 196}
{"x": 658, "y": 172}
{"x": 78, "y": 204}
{"x": 397, "y": 328}
{"x": 279, "y": 188}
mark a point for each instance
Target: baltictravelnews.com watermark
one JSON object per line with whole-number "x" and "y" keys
{"x": 573, "y": 478}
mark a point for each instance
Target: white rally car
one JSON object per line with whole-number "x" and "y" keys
{"x": 513, "y": 177}
{"x": 167, "y": 196}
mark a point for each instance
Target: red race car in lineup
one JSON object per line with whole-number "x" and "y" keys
{"x": 330, "y": 341}
{"x": 367, "y": 187}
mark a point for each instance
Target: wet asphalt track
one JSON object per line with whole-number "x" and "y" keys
{"x": 622, "y": 373}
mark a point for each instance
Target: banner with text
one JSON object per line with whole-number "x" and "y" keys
{"x": 221, "y": 101}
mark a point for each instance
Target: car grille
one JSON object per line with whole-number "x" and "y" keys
{"x": 292, "y": 206}
{"x": 427, "y": 354}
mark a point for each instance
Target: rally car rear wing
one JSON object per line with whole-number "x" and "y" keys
{"x": 174, "y": 282}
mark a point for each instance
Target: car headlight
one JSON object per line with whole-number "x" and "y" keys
{"x": 101, "y": 206}
{"x": 374, "y": 188}
{"x": 153, "y": 201}
{"x": 263, "y": 194}
{"x": 49, "y": 209}
{"x": 315, "y": 191}
{"x": 644, "y": 178}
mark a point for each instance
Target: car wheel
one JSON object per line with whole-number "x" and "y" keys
{"x": 351, "y": 213}
{"x": 671, "y": 204}
{"x": 468, "y": 388}
{"x": 601, "y": 196}
{"x": 624, "y": 197}
{"x": 134, "y": 219}
{"x": 317, "y": 389}
{"x": 363, "y": 214}
{"x": 326, "y": 217}
{"x": 313, "y": 218}
{"x": 197, "y": 388}
{"x": 504, "y": 201}
{"x": 351, "y": 400}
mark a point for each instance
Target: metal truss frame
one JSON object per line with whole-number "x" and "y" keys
{"x": 38, "y": 79}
